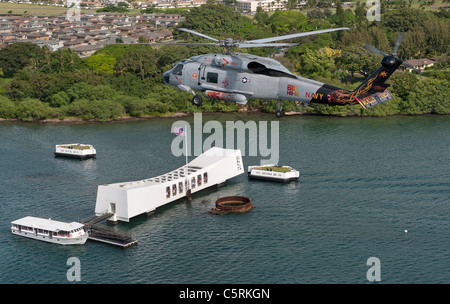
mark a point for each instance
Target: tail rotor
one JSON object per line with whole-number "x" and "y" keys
{"x": 391, "y": 59}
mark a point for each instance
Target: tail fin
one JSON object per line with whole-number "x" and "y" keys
{"x": 372, "y": 91}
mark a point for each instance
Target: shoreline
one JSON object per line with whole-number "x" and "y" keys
{"x": 77, "y": 120}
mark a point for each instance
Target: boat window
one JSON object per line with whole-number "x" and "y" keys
{"x": 212, "y": 77}
{"x": 193, "y": 183}
{"x": 174, "y": 189}
{"x": 167, "y": 192}
{"x": 205, "y": 177}
{"x": 178, "y": 70}
{"x": 199, "y": 180}
{"x": 180, "y": 187}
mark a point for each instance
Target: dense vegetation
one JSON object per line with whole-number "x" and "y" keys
{"x": 125, "y": 80}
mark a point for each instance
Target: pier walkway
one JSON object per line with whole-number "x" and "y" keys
{"x": 101, "y": 233}
{"x": 98, "y": 219}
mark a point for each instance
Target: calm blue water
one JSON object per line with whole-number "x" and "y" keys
{"x": 364, "y": 181}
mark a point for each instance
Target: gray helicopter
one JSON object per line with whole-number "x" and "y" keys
{"x": 236, "y": 77}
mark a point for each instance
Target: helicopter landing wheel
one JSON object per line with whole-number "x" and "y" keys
{"x": 279, "y": 113}
{"x": 197, "y": 100}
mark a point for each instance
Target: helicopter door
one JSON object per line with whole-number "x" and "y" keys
{"x": 202, "y": 73}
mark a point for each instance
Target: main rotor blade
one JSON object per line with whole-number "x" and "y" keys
{"x": 250, "y": 45}
{"x": 179, "y": 43}
{"x": 296, "y": 35}
{"x": 410, "y": 66}
{"x": 398, "y": 42}
{"x": 375, "y": 50}
{"x": 197, "y": 33}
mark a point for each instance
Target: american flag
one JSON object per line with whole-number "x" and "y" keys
{"x": 179, "y": 131}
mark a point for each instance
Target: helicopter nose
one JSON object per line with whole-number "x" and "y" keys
{"x": 166, "y": 77}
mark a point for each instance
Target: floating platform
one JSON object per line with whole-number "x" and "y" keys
{"x": 79, "y": 151}
{"x": 128, "y": 199}
{"x": 273, "y": 173}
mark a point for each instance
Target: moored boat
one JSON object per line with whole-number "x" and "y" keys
{"x": 80, "y": 151}
{"x": 49, "y": 230}
{"x": 273, "y": 173}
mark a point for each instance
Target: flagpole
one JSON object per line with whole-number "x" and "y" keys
{"x": 186, "y": 152}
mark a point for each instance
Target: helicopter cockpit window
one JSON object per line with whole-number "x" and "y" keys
{"x": 212, "y": 77}
{"x": 178, "y": 70}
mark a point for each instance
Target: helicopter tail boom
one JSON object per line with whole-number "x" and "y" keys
{"x": 372, "y": 91}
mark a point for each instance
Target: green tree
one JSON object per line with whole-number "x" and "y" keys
{"x": 44, "y": 85}
{"x": 116, "y": 50}
{"x": 379, "y": 39}
{"x": 316, "y": 63}
{"x": 86, "y": 91}
{"x": 403, "y": 19}
{"x": 65, "y": 60}
{"x": 31, "y": 109}
{"x": 7, "y": 108}
{"x": 59, "y": 99}
{"x": 101, "y": 63}
{"x": 46, "y": 57}
{"x": 215, "y": 20}
{"x": 438, "y": 36}
{"x": 357, "y": 59}
{"x": 342, "y": 17}
{"x": 420, "y": 100}
{"x": 141, "y": 61}
{"x": 131, "y": 84}
{"x": 18, "y": 89}
{"x": 360, "y": 13}
{"x": 403, "y": 83}
{"x": 102, "y": 110}
{"x": 414, "y": 43}
{"x": 16, "y": 56}
{"x": 340, "y": 14}
{"x": 285, "y": 22}
{"x": 112, "y": 9}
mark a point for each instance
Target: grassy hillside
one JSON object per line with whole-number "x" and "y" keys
{"x": 32, "y": 9}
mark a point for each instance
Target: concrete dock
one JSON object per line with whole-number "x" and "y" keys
{"x": 101, "y": 233}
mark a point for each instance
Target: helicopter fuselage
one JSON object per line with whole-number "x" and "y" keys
{"x": 238, "y": 77}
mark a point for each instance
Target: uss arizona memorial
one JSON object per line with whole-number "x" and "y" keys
{"x": 126, "y": 200}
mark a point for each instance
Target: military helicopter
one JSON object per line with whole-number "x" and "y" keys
{"x": 235, "y": 77}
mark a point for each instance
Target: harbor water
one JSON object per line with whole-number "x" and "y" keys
{"x": 368, "y": 188}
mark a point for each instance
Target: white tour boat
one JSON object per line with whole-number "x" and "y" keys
{"x": 80, "y": 151}
{"x": 128, "y": 199}
{"x": 51, "y": 231}
{"x": 273, "y": 173}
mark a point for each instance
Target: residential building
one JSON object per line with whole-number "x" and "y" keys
{"x": 419, "y": 64}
